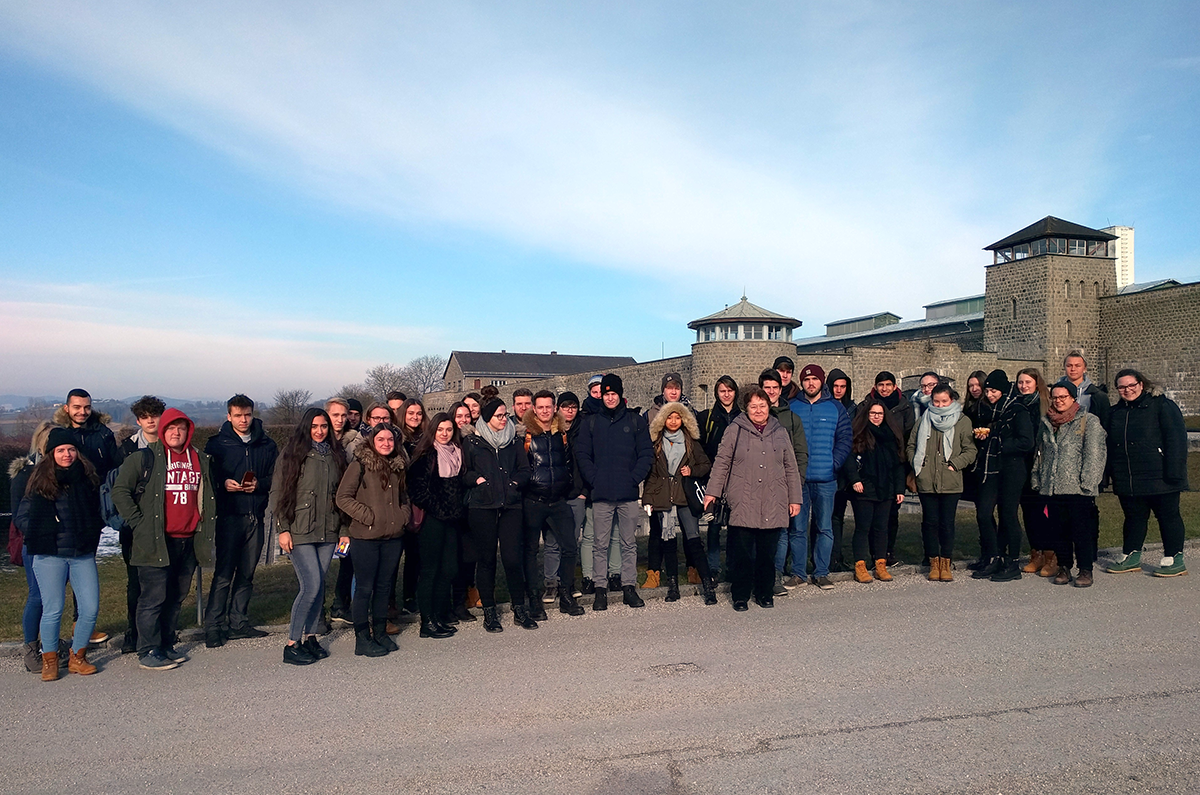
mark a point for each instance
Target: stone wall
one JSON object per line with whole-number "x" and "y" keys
{"x": 1157, "y": 333}
{"x": 743, "y": 360}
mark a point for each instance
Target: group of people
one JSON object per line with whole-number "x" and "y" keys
{"x": 771, "y": 467}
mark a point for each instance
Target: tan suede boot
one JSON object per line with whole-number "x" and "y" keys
{"x": 944, "y": 571}
{"x": 881, "y": 572}
{"x": 693, "y": 576}
{"x": 860, "y": 572}
{"x": 77, "y": 663}
{"x": 935, "y": 569}
{"x": 1049, "y": 565}
{"x": 49, "y": 666}
{"x": 651, "y": 579}
{"x": 1036, "y": 559}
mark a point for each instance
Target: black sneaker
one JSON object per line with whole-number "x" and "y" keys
{"x": 767, "y": 601}
{"x": 174, "y": 656}
{"x": 1008, "y": 571}
{"x": 214, "y": 638}
{"x": 315, "y": 648}
{"x": 985, "y": 571}
{"x": 741, "y": 606}
{"x": 614, "y": 582}
{"x": 129, "y": 644}
{"x": 241, "y": 633}
{"x": 154, "y": 660}
{"x": 340, "y": 619}
{"x": 824, "y": 583}
{"x": 550, "y": 595}
{"x": 298, "y": 654}
{"x": 588, "y": 586}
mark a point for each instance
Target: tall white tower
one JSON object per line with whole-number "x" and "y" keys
{"x": 1123, "y": 247}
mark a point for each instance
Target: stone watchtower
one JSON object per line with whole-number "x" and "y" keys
{"x": 1043, "y": 290}
{"x": 740, "y": 341}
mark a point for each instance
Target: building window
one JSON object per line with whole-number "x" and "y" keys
{"x": 728, "y": 332}
{"x": 775, "y": 332}
{"x": 756, "y": 332}
{"x": 1056, "y": 245}
{"x": 1095, "y": 289}
{"x": 1077, "y": 248}
{"x": 1038, "y": 247}
{"x": 1097, "y": 248}
{"x": 1021, "y": 251}
{"x": 1067, "y": 288}
{"x": 1068, "y": 331}
{"x": 1014, "y": 309}
{"x": 1081, "y": 288}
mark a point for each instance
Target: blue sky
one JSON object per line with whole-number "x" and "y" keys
{"x": 214, "y": 197}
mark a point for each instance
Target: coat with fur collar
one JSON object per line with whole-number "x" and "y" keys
{"x": 551, "y": 465}
{"x": 94, "y": 440}
{"x": 372, "y": 493}
{"x": 664, "y": 490}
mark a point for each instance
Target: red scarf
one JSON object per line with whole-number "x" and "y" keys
{"x": 1061, "y": 418}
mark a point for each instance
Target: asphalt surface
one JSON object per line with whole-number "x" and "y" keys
{"x": 910, "y": 686}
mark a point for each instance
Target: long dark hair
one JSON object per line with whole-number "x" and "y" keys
{"x": 294, "y": 454}
{"x": 427, "y": 440}
{"x": 411, "y": 436}
{"x": 728, "y": 381}
{"x": 864, "y": 439}
{"x": 970, "y": 402}
{"x": 43, "y": 481}
{"x": 1043, "y": 392}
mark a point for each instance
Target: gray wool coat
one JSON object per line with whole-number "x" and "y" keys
{"x": 1070, "y": 460}
{"x": 756, "y": 473}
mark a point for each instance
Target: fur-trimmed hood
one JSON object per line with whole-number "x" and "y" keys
{"x": 373, "y": 462}
{"x": 17, "y": 464}
{"x": 660, "y": 421}
{"x": 534, "y": 428}
{"x": 95, "y": 418}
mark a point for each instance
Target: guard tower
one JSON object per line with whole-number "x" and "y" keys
{"x": 741, "y": 341}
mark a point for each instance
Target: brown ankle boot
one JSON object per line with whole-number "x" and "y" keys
{"x": 652, "y": 580}
{"x": 1036, "y": 559}
{"x": 49, "y": 666}
{"x": 1049, "y": 565}
{"x": 77, "y": 663}
{"x": 693, "y": 576}
{"x": 935, "y": 569}
{"x": 860, "y": 572}
{"x": 944, "y": 571}
{"x": 881, "y": 572}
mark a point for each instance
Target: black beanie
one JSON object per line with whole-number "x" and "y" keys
{"x": 568, "y": 398}
{"x": 488, "y": 410}
{"x": 612, "y": 383}
{"x": 998, "y": 380}
{"x": 354, "y": 405}
{"x": 885, "y": 376}
{"x": 59, "y": 436}
{"x": 1072, "y": 390}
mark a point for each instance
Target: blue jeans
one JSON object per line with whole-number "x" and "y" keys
{"x": 52, "y": 573}
{"x": 818, "y": 497}
{"x": 310, "y": 562}
{"x": 31, "y": 619}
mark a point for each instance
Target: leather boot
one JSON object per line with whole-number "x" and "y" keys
{"x": 935, "y": 569}
{"x": 78, "y": 664}
{"x": 49, "y": 666}
{"x": 693, "y": 576}
{"x": 709, "y": 587}
{"x": 473, "y": 598}
{"x": 567, "y": 604}
{"x": 521, "y": 618}
{"x": 1049, "y": 565}
{"x": 430, "y": 629}
{"x": 944, "y": 571}
{"x": 860, "y": 572}
{"x": 537, "y": 608}
{"x": 491, "y": 620}
{"x": 631, "y": 597}
{"x": 881, "y": 572}
{"x": 1036, "y": 559}
{"x": 672, "y": 589}
{"x": 651, "y": 579}
{"x": 364, "y": 646}
{"x": 382, "y": 631}
{"x": 462, "y": 613}
{"x": 600, "y": 600}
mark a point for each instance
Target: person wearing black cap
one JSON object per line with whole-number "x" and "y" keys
{"x": 1002, "y": 475}
{"x": 771, "y": 382}
{"x": 713, "y": 423}
{"x": 568, "y": 415}
{"x": 354, "y": 415}
{"x": 785, "y": 367}
{"x": 615, "y": 455}
{"x": 887, "y": 392}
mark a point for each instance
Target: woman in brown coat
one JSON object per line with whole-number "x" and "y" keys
{"x": 755, "y": 471}
{"x": 372, "y": 493}
{"x": 678, "y": 454}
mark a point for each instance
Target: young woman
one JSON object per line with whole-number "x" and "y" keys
{"x": 60, "y": 517}
{"x": 473, "y": 401}
{"x": 677, "y": 454}
{"x": 1003, "y": 470}
{"x": 372, "y": 493}
{"x": 713, "y": 423}
{"x": 412, "y": 419}
{"x": 435, "y": 483}
{"x": 304, "y": 503}
{"x": 974, "y": 404}
{"x": 759, "y": 507}
{"x": 941, "y": 448}
{"x": 1035, "y": 396}
{"x": 875, "y": 471}
{"x": 463, "y": 418}
{"x": 495, "y": 470}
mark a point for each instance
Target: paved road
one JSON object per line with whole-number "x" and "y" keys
{"x": 921, "y": 687}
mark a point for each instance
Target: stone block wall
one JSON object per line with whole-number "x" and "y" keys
{"x": 743, "y": 360}
{"x": 1157, "y": 333}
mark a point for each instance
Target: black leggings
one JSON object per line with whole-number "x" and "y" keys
{"x": 374, "y": 562}
{"x": 1137, "y": 519}
{"x": 1002, "y": 489}
{"x": 506, "y": 526}
{"x": 439, "y": 563}
{"x": 753, "y": 567}
{"x": 1037, "y": 522}
{"x": 871, "y": 528}
{"x": 937, "y": 523}
{"x": 1074, "y": 530}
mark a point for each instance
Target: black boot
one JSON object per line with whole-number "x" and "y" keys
{"x": 364, "y": 646}
{"x": 600, "y": 600}
{"x": 994, "y": 565}
{"x": 587, "y": 586}
{"x": 382, "y": 638}
{"x": 521, "y": 618}
{"x": 631, "y": 596}
{"x": 672, "y": 589}
{"x": 447, "y": 618}
{"x": 537, "y": 609}
{"x": 614, "y": 582}
{"x": 710, "y": 591}
{"x": 491, "y": 621}
{"x": 431, "y": 629}
{"x": 567, "y": 604}
{"x": 462, "y": 613}
{"x": 1008, "y": 571}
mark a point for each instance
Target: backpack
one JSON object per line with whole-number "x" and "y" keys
{"x": 109, "y": 511}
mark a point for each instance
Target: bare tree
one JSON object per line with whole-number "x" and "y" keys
{"x": 384, "y": 378}
{"x": 289, "y": 406}
{"x": 424, "y": 374}
{"x": 358, "y": 392}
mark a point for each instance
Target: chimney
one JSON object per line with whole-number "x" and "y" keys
{"x": 503, "y": 351}
{"x": 554, "y": 353}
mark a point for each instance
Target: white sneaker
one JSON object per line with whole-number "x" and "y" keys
{"x": 1166, "y": 561}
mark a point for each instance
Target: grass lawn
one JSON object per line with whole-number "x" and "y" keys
{"x": 275, "y": 585}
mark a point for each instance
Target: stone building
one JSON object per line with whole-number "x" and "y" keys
{"x": 1050, "y": 288}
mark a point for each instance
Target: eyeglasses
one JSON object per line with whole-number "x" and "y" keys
{"x": 379, "y": 418}
{"x": 1128, "y": 387}
{"x": 1061, "y": 397}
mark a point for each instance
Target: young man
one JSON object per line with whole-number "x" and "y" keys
{"x": 615, "y": 456}
{"x": 568, "y": 414}
{"x": 243, "y": 463}
{"x": 147, "y": 410}
{"x": 1092, "y": 398}
{"x": 920, "y": 399}
{"x": 785, "y": 367}
{"x": 827, "y": 431}
{"x": 839, "y": 387}
{"x": 547, "y": 511}
{"x": 794, "y": 539}
{"x": 93, "y": 438}
{"x": 395, "y": 399}
{"x": 173, "y": 523}
{"x": 522, "y": 402}
{"x": 354, "y": 411}
{"x": 891, "y": 397}
{"x": 671, "y": 392}
{"x": 338, "y": 410}
{"x": 592, "y": 403}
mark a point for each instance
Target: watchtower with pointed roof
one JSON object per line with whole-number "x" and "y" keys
{"x": 741, "y": 341}
{"x": 1043, "y": 290}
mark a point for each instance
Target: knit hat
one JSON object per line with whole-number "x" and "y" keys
{"x": 59, "y": 436}
{"x": 612, "y": 383}
{"x": 596, "y": 379}
{"x": 488, "y": 410}
{"x": 1072, "y": 390}
{"x": 568, "y": 398}
{"x": 998, "y": 380}
{"x": 812, "y": 370}
{"x": 354, "y": 405}
{"x": 885, "y": 375}
{"x": 671, "y": 378}
{"x": 783, "y": 363}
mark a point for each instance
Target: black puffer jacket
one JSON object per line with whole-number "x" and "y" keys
{"x": 615, "y": 454}
{"x": 505, "y": 472}
{"x": 551, "y": 465}
{"x": 68, "y": 526}
{"x": 713, "y": 423}
{"x": 438, "y": 496}
{"x": 94, "y": 440}
{"x": 232, "y": 458}
{"x": 1147, "y": 447}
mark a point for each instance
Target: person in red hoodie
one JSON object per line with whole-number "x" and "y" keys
{"x": 172, "y": 511}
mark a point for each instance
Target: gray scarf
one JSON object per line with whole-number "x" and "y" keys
{"x": 496, "y": 439}
{"x": 670, "y": 524}
{"x": 673, "y": 446}
{"x": 944, "y": 418}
